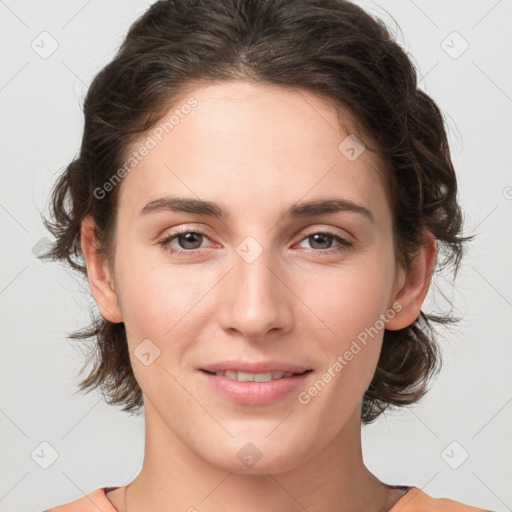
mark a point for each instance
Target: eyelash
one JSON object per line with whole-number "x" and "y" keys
{"x": 344, "y": 244}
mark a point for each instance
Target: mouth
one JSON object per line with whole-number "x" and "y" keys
{"x": 255, "y": 389}
{"x": 242, "y": 376}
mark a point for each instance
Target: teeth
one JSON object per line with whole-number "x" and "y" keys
{"x": 253, "y": 377}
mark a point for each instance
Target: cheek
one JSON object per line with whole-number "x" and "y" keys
{"x": 349, "y": 299}
{"x": 157, "y": 316}
{"x": 350, "y": 303}
{"x": 147, "y": 303}
{"x": 162, "y": 303}
{"x": 153, "y": 294}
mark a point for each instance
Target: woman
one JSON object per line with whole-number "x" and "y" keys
{"x": 260, "y": 200}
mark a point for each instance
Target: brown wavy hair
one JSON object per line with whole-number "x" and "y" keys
{"x": 330, "y": 47}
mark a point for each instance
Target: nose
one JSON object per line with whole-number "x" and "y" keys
{"x": 255, "y": 300}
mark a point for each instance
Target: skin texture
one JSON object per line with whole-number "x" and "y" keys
{"x": 255, "y": 149}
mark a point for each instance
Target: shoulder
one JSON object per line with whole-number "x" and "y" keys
{"x": 92, "y": 502}
{"x": 415, "y": 500}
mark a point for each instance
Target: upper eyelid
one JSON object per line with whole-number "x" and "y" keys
{"x": 331, "y": 230}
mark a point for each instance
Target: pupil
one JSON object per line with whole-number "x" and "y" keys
{"x": 189, "y": 239}
{"x": 317, "y": 238}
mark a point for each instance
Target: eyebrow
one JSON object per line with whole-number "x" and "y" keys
{"x": 295, "y": 210}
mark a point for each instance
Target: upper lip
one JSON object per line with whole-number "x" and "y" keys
{"x": 255, "y": 367}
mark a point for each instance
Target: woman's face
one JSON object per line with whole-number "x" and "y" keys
{"x": 258, "y": 286}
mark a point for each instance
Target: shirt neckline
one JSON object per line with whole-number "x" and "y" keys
{"x": 407, "y": 488}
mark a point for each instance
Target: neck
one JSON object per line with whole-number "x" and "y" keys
{"x": 174, "y": 478}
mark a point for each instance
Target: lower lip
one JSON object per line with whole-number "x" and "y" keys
{"x": 254, "y": 393}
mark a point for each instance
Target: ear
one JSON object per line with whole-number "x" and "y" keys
{"x": 98, "y": 273}
{"x": 414, "y": 284}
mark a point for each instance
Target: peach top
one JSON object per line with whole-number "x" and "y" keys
{"x": 414, "y": 500}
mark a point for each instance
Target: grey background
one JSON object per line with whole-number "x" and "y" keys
{"x": 97, "y": 445}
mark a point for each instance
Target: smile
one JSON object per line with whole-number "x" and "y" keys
{"x": 253, "y": 377}
{"x": 246, "y": 388}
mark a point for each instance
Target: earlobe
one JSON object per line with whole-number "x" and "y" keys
{"x": 416, "y": 284}
{"x": 98, "y": 274}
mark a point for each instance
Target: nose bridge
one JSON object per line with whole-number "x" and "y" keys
{"x": 254, "y": 303}
{"x": 256, "y": 278}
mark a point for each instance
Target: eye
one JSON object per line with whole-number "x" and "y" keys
{"x": 323, "y": 239}
{"x": 188, "y": 240}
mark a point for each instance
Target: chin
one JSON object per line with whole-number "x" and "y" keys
{"x": 258, "y": 457}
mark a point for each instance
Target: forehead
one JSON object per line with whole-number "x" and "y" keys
{"x": 253, "y": 144}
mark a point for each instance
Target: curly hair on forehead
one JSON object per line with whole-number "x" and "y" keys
{"x": 332, "y": 48}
